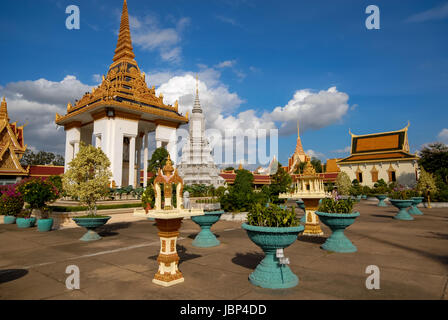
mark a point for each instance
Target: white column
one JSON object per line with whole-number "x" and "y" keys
{"x": 76, "y": 148}
{"x": 132, "y": 161}
{"x": 98, "y": 140}
{"x": 145, "y": 160}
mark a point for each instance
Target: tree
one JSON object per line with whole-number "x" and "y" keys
{"x": 88, "y": 176}
{"x": 434, "y": 157}
{"x": 241, "y": 195}
{"x": 343, "y": 183}
{"x": 158, "y": 160}
{"x": 317, "y": 164}
{"x": 280, "y": 182}
{"x": 426, "y": 183}
{"x": 41, "y": 158}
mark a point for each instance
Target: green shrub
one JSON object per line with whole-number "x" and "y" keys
{"x": 272, "y": 216}
{"x": 330, "y": 205}
{"x": 343, "y": 184}
{"x": 37, "y": 192}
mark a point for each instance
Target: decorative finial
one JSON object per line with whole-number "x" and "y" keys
{"x": 4, "y": 109}
{"x": 124, "y": 48}
{"x": 197, "y": 84}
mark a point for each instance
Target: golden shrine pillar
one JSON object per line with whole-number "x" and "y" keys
{"x": 168, "y": 218}
{"x": 310, "y": 188}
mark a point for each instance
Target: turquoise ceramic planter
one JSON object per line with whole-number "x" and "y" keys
{"x": 381, "y": 198}
{"x": 270, "y": 273}
{"x": 415, "y": 202}
{"x": 91, "y": 224}
{"x": 402, "y": 205}
{"x": 206, "y": 238}
{"x": 9, "y": 220}
{"x": 44, "y": 225}
{"x": 301, "y": 205}
{"x": 338, "y": 222}
{"x": 364, "y": 197}
{"x": 24, "y": 223}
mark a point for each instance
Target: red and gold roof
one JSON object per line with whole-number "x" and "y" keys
{"x": 385, "y": 146}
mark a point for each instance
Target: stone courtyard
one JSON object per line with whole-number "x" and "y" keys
{"x": 412, "y": 257}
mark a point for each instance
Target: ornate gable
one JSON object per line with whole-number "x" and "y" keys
{"x": 12, "y": 145}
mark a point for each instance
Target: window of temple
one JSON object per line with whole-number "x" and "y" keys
{"x": 359, "y": 176}
{"x": 393, "y": 177}
{"x": 374, "y": 173}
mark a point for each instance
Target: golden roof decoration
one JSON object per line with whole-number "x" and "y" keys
{"x": 4, "y": 110}
{"x": 124, "y": 84}
{"x": 309, "y": 169}
{"x": 168, "y": 168}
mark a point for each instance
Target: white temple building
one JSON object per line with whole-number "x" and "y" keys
{"x": 197, "y": 165}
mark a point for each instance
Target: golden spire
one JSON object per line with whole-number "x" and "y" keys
{"x": 309, "y": 169}
{"x": 124, "y": 48}
{"x": 4, "y": 110}
{"x": 168, "y": 168}
{"x": 299, "y": 147}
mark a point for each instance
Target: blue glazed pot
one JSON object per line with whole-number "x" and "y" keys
{"x": 364, "y": 197}
{"x": 205, "y": 238}
{"x": 9, "y": 220}
{"x": 24, "y": 223}
{"x": 338, "y": 222}
{"x": 91, "y": 224}
{"x": 301, "y": 205}
{"x": 270, "y": 273}
{"x": 381, "y": 198}
{"x": 415, "y": 202}
{"x": 402, "y": 205}
{"x": 44, "y": 225}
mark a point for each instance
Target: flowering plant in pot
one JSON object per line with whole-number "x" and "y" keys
{"x": 338, "y": 215}
{"x": 88, "y": 180}
{"x": 11, "y": 203}
{"x": 24, "y": 219}
{"x": 45, "y": 223}
{"x": 400, "y": 198}
{"x": 380, "y": 191}
{"x": 273, "y": 229}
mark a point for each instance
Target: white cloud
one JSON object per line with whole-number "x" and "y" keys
{"x": 345, "y": 150}
{"x": 36, "y": 103}
{"x": 315, "y": 154}
{"x": 228, "y": 20}
{"x": 443, "y": 135}
{"x": 314, "y": 110}
{"x": 226, "y": 64}
{"x": 436, "y": 13}
{"x": 149, "y": 35}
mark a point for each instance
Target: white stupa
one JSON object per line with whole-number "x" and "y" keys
{"x": 197, "y": 165}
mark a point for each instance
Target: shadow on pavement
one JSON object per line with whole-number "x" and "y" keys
{"x": 248, "y": 260}
{"x": 11, "y": 275}
{"x": 182, "y": 253}
{"x": 108, "y": 230}
{"x": 311, "y": 239}
{"x": 382, "y": 216}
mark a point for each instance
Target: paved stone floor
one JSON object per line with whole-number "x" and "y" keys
{"x": 412, "y": 257}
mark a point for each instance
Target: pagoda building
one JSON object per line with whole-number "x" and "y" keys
{"x": 299, "y": 154}
{"x": 382, "y": 155}
{"x": 197, "y": 165}
{"x": 12, "y": 148}
{"x": 120, "y": 114}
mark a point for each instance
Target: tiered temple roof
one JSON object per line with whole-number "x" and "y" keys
{"x": 376, "y": 147}
{"x": 299, "y": 154}
{"x": 12, "y": 146}
{"x": 123, "y": 87}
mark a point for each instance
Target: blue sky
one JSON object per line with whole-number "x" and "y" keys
{"x": 251, "y": 55}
